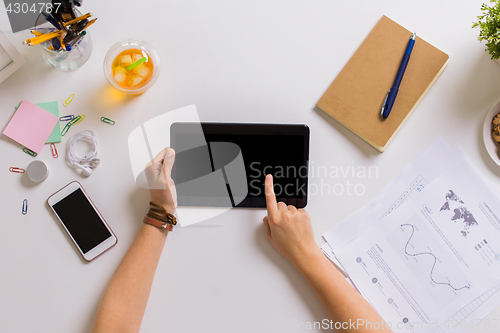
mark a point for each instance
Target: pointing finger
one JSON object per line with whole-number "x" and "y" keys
{"x": 272, "y": 206}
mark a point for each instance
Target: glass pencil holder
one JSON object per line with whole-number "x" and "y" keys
{"x": 69, "y": 60}
{"x": 81, "y": 49}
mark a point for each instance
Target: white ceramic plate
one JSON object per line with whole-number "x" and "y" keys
{"x": 490, "y": 145}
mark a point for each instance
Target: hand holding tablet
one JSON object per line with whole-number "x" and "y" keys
{"x": 161, "y": 185}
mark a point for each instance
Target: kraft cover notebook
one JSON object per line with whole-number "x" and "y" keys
{"x": 356, "y": 95}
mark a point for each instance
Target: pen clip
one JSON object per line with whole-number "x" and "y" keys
{"x": 385, "y": 103}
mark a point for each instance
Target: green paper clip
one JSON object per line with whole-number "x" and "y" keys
{"x": 66, "y": 128}
{"x": 75, "y": 120}
{"x": 30, "y": 152}
{"x": 107, "y": 121}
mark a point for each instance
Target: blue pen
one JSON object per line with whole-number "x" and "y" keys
{"x": 56, "y": 44}
{"x": 51, "y": 20}
{"x": 393, "y": 92}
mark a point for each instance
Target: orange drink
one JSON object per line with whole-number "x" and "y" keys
{"x": 132, "y": 66}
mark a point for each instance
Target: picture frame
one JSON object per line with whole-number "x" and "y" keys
{"x": 10, "y": 58}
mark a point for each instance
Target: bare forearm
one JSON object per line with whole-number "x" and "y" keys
{"x": 124, "y": 301}
{"x": 341, "y": 301}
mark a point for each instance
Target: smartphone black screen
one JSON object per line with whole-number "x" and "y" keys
{"x": 81, "y": 220}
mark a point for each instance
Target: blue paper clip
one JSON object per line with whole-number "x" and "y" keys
{"x": 66, "y": 118}
{"x": 25, "y": 206}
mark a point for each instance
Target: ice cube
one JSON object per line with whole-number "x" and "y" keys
{"x": 137, "y": 57}
{"x": 117, "y": 68}
{"x": 142, "y": 70}
{"x": 136, "y": 80}
{"x": 120, "y": 74}
{"x": 126, "y": 60}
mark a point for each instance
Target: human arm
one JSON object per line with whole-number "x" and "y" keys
{"x": 124, "y": 301}
{"x": 290, "y": 232}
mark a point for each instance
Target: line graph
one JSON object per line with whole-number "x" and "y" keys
{"x": 433, "y": 265}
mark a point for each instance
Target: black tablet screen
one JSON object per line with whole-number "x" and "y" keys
{"x": 279, "y": 150}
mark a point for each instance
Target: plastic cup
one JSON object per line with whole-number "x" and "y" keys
{"x": 122, "y": 56}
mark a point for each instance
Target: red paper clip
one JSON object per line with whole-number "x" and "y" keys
{"x": 17, "y": 170}
{"x": 54, "y": 150}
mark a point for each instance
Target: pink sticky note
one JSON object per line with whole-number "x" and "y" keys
{"x": 31, "y": 126}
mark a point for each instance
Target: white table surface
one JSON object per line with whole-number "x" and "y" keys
{"x": 239, "y": 61}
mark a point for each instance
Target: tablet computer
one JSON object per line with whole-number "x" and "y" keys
{"x": 225, "y": 164}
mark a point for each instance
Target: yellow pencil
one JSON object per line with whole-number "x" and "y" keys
{"x": 78, "y": 19}
{"x": 63, "y": 46}
{"x": 88, "y": 24}
{"x": 43, "y": 38}
{"x": 34, "y": 32}
{"x": 47, "y": 35}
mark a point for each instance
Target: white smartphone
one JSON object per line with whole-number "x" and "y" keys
{"x": 82, "y": 221}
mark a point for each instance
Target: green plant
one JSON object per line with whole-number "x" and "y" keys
{"x": 489, "y": 27}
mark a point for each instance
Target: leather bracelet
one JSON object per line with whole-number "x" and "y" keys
{"x": 159, "y": 217}
{"x": 158, "y": 224}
